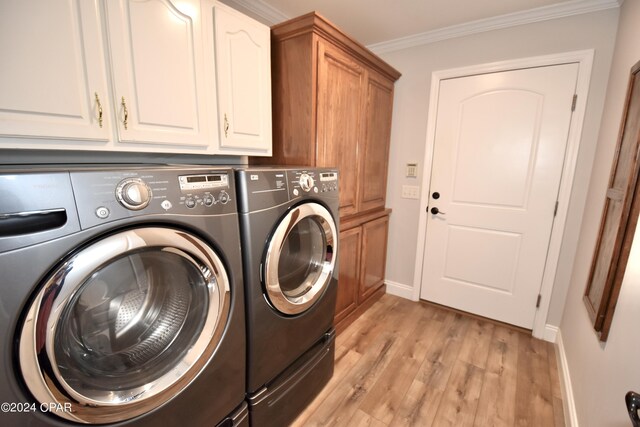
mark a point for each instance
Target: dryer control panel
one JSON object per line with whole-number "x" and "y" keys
{"x": 108, "y": 195}
{"x": 312, "y": 181}
{"x": 264, "y": 188}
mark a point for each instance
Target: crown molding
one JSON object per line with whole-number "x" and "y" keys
{"x": 267, "y": 12}
{"x": 561, "y": 10}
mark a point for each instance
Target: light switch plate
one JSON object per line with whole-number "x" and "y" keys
{"x": 410, "y": 192}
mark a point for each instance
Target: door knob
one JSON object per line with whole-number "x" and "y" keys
{"x": 436, "y": 211}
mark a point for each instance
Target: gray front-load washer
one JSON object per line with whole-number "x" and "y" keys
{"x": 121, "y": 297}
{"x": 289, "y": 230}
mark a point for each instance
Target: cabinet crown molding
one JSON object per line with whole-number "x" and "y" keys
{"x": 313, "y": 22}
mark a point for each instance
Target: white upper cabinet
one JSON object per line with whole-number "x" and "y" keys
{"x": 243, "y": 76}
{"x": 166, "y": 76}
{"x": 53, "y": 80}
{"x": 158, "y": 73}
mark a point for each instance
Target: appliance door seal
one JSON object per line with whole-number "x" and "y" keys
{"x": 124, "y": 324}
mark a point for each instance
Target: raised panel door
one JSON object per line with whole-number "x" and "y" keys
{"x": 243, "y": 83}
{"x": 374, "y": 155}
{"x": 498, "y": 156}
{"x": 374, "y": 254}
{"x": 52, "y": 80}
{"x": 157, "y": 62}
{"x": 341, "y": 86}
{"x": 349, "y": 276}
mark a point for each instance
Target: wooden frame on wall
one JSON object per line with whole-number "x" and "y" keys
{"x": 619, "y": 218}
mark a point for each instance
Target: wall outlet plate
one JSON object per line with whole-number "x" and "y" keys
{"x": 410, "y": 192}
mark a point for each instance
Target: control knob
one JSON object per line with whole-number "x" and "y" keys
{"x": 224, "y": 197}
{"x": 133, "y": 194}
{"x": 306, "y": 182}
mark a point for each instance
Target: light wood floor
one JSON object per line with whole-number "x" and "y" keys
{"x": 405, "y": 363}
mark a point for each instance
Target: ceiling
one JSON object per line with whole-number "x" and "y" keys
{"x": 377, "y": 21}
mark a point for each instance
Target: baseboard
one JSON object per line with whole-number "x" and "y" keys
{"x": 399, "y": 289}
{"x": 570, "y": 413}
{"x": 550, "y": 333}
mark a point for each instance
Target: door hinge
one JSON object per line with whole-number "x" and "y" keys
{"x": 574, "y": 102}
{"x": 555, "y": 209}
{"x": 538, "y": 300}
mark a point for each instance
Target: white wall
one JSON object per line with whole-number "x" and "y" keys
{"x": 587, "y": 31}
{"x": 602, "y": 373}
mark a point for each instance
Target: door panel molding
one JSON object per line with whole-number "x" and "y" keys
{"x": 584, "y": 59}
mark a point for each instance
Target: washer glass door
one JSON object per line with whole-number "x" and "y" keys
{"x": 300, "y": 258}
{"x": 125, "y": 324}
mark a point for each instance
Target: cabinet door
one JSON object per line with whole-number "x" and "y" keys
{"x": 157, "y": 62}
{"x": 341, "y": 85}
{"x": 52, "y": 78}
{"x": 374, "y": 255}
{"x": 243, "y": 72}
{"x": 349, "y": 272}
{"x": 374, "y": 155}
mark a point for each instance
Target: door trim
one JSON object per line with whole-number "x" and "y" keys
{"x": 584, "y": 59}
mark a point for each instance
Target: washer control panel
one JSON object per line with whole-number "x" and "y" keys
{"x": 205, "y": 189}
{"x": 108, "y": 195}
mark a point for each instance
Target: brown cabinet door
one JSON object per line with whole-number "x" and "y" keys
{"x": 349, "y": 276}
{"x": 341, "y": 84}
{"x": 375, "y": 142}
{"x": 374, "y": 256}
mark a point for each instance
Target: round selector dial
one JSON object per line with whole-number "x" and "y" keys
{"x": 133, "y": 194}
{"x": 224, "y": 197}
{"x": 306, "y": 182}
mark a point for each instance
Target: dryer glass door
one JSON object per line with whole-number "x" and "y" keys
{"x": 125, "y": 324}
{"x": 300, "y": 258}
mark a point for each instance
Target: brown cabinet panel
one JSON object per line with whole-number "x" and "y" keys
{"x": 341, "y": 83}
{"x": 332, "y": 103}
{"x": 375, "y": 143}
{"x": 349, "y": 276}
{"x": 293, "y": 99}
{"x": 374, "y": 255}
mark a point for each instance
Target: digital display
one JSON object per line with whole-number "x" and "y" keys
{"x": 196, "y": 178}
{"x": 328, "y": 176}
{"x": 203, "y": 182}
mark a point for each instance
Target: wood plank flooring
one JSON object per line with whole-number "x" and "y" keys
{"x": 404, "y": 363}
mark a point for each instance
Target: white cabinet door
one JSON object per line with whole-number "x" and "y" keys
{"x": 53, "y": 77}
{"x": 243, "y": 71}
{"x": 157, "y": 65}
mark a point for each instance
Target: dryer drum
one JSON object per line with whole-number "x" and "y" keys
{"x": 300, "y": 258}
{"x": 125, "y": 324}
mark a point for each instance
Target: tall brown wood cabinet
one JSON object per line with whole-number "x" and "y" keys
{"x": 332, "y": 105}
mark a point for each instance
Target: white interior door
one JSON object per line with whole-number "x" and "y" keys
{"x": 499, "y": 149}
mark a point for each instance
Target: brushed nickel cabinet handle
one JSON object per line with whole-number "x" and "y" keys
{"x": 226, "y": 126}
{"x": 99, "y": 105}
{"x": 125, "y": 122}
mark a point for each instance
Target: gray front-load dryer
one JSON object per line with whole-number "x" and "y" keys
{"x": 121, "y": 297}
{"x": 289, "y": 231}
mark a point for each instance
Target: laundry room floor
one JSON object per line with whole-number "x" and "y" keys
{"x": 415, "y": 364}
